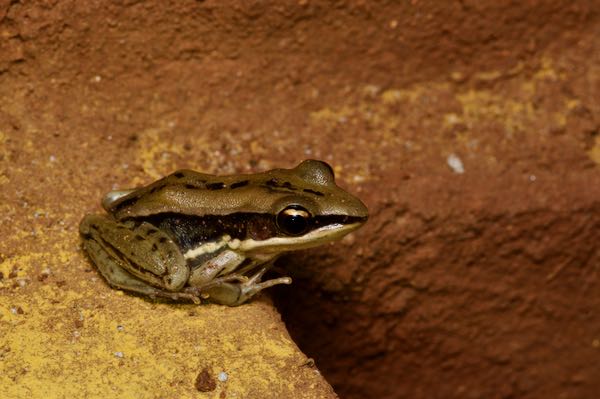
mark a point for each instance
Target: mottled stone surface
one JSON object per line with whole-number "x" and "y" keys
{"x": 469, "y": 128}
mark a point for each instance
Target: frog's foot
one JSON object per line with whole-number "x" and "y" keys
{"x": 234, "y": 294}
{"x": 200, "y": 291}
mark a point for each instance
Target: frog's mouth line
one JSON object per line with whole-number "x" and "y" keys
{"x": 311, "y": 239}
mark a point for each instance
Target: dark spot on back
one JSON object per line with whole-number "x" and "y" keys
{"x": 139, "y": 237}
{"x": 239, "y": 184}
{"x": 126, "y": 203}
{"x": 308, "y": 190}
{"x": 288, "y": 185}
{"x": 215, "y": 186}
{"x": 94, "y": 226}
{"x": 272, "y": 182}
{"x": 190, "y": 186}
{"x": 178, "y": 175}
{"x": 151, "y": 231}
{"x": 275, "y": 189}
{"x": 154, "y": 248}
{"x": 157, "y": 188}
{"x": 162, "y": 240}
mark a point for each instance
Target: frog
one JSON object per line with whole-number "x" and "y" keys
{"x": 202, "y": 238}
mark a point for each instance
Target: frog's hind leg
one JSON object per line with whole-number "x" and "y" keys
{"x": 113, "y": 269}
{"x": 117, "y": 277}
{"x": 233, "y": 294}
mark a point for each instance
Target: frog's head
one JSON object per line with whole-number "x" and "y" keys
{"x": 306, "y": 209}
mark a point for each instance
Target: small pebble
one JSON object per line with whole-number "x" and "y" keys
{"x": 119, "y": 355}
{"x": 455, "y": 164}
{"x": 120, "y": 328}
{"x": 17, "y": 310}
{"x": 222, "y": 376}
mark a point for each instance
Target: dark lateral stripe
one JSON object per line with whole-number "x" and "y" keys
{"x": 189, "y": 231}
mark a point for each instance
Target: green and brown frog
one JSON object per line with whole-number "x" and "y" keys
{"x": 198, "y": 236}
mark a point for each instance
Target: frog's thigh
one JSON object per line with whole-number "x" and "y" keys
{"x": 118, "y": 277}
{"x": 143, "y": 251}
{"x": 114, "y": 273}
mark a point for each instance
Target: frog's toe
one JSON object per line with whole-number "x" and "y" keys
{"x": 251, "y": 288}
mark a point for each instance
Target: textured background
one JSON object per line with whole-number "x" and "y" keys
{"x": 476, "y": 284}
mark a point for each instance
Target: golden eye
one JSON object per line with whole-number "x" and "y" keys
{"x": 293, "y": 220}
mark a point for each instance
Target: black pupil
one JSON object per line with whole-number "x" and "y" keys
{"x": 292, "y": 223}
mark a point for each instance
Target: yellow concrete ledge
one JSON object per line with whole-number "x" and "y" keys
{"x": 80, "y": 338}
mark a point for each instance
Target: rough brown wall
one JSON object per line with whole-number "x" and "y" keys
{"x": 482, "y": 284}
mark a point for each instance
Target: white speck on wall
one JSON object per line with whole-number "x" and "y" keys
{"x": 223, "y": 376}
{"x": 120, "y": 328}
{"x": 532, "y": 178}
{"x": 119, "y": 355}
{"x": 455, "y": 163}
{"x": 358, "y": 178}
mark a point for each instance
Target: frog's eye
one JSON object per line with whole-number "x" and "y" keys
{"x": 293, "y": 220}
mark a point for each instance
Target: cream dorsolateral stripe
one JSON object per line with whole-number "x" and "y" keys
{"x": 207, "y": 247}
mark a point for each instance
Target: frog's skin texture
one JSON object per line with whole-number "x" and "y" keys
{"x": 195, "y": 236}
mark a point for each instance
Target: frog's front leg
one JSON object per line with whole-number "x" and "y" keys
{"x": 222, "y": 264}
{"x": 139, "y": 258}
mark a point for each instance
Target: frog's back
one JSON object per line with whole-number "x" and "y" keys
{"x": 193, "y": 193}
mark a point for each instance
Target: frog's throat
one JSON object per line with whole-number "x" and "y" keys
{"x": 276, "y": 244}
